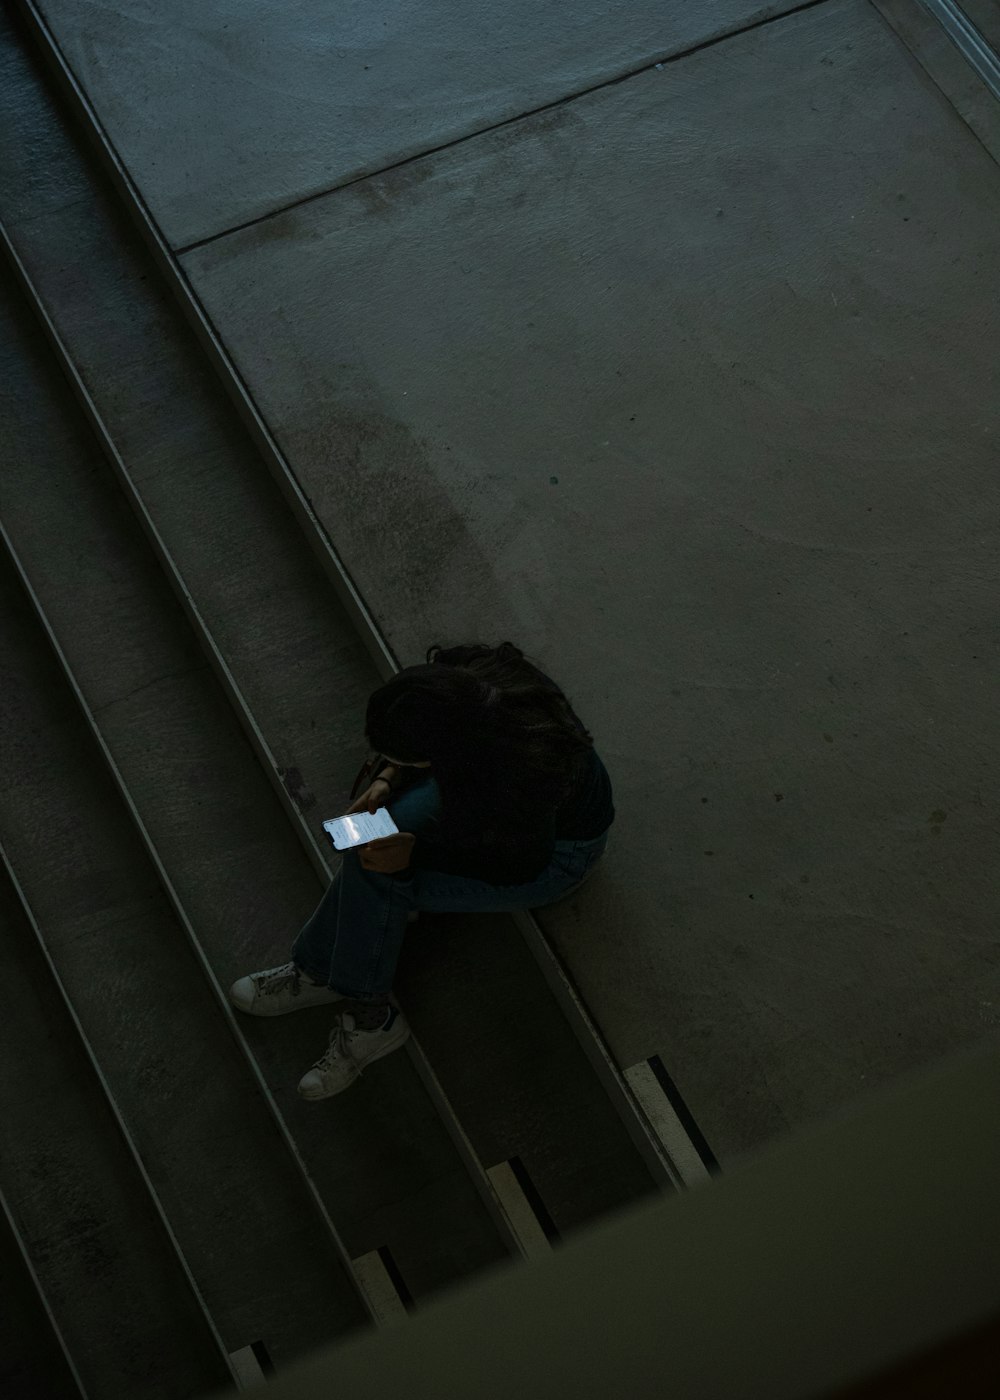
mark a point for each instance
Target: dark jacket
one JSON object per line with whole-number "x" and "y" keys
{"x": 521, "y": 843}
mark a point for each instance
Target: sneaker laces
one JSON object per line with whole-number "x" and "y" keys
{"x": 336, "y": 1048}
{"x": 270, "y": 983}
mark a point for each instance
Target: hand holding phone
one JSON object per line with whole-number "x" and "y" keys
{"x": 373, "y": 797}
{"x": 389, "y": 855}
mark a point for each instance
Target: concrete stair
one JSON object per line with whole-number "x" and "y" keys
{"x": 182, "y": 706}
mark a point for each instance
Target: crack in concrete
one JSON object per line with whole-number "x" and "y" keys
{"x": 167, "y": 676}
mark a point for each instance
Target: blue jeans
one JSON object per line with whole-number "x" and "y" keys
{"x": 353, "y": 940}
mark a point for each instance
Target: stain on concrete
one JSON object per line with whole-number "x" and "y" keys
{"x": 381, "y": 193}
{"x": 409, "y": 542}
{"x": 295, "y": 786}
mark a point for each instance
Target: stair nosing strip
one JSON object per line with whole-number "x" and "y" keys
{"x": 971, "y": 43}
{"x": 116, "y": 1113}
{"x": 503, "y": 1220}
{"x": 661, "y": 1163}
{"x": 653, "y": 1149}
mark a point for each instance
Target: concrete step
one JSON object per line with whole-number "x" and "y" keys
{"x": 34, "y": 1359}
{"x": 177, "y": 557}
{"x": 288, "y": 654}
{"x": 92, "y": 1264}
{"x": 206, "y": 814}
{"x": 260, "y": 1254}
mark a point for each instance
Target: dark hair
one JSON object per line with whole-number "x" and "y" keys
{"x": 498, "y": 733}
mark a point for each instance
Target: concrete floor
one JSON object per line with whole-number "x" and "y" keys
{"x": 688, "y": 385}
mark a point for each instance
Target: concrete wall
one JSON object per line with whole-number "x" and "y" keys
{"x": 836, "y": 1254}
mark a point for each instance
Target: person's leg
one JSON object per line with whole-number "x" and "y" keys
{"x": 359, "y": 930}
{"x": 352, "y": 941}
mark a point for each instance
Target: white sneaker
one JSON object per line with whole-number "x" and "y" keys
{"x": 278, "y": 990}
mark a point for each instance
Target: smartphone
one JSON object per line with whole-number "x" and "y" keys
{"x": 359, "y": 828}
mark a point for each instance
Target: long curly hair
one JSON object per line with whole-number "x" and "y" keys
{"x": 498, "y": 733}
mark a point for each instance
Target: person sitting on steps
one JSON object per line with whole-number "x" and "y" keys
{"x": 502, "y": 803}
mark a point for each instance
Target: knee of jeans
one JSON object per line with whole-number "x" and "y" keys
{"x": 415, "y": 817}
{"x": 415, "y": 823}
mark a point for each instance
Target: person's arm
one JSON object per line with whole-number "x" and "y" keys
{"x": 398, "y": 779}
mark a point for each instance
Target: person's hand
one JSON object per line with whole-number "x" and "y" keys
{"x": 372, "y": 798}
{"x": 389, "y": 853}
